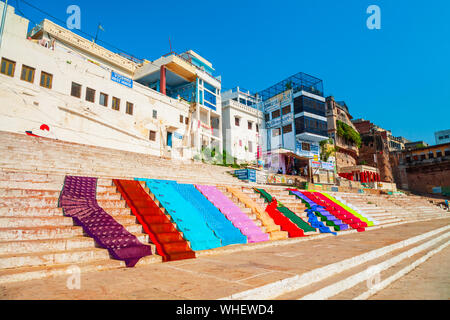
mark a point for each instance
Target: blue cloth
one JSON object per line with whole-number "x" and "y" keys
{"x": 216, "y": 220}
{"x": 316, "y": 223}
{"x": 187, "y": 218}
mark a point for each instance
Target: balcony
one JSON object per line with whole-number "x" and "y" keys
{"x": 426, "y": 161}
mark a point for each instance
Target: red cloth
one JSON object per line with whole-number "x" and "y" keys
{"x": 167, "y": 239}
{"x": 284, "y": 223}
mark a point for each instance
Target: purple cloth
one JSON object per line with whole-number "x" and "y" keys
{"x": 78, "y": 200}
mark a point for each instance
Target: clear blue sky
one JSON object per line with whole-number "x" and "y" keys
{"x": 397, "y": 77}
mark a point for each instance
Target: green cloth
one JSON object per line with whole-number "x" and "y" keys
{"x": 267, "y": 197}
{"x": 286, "y": 212}
{"x": 296, "y": 219}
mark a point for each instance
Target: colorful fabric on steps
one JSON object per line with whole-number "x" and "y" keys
{"x": 271, "y": 227}
{"x": 336, "y": 211}
{"x": 288, "y": 213}
{"x": 316, "y": 223}
{"x": 233, "y": 213}
{"x": 168, "y": 241}
{"x": 343, "y": 214}
{"x": 285, "y": 223}
{"x": 188, "y": 219}
{"x": 222, "y": 227}
{"x": 345, "y": 207}
{"x": 78, "y": 200}
{"x": 320, "y": 211}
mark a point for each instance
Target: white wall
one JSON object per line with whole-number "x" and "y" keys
{"x": 25, "y": 106}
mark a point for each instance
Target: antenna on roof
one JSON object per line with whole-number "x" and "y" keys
{"x": 170, "y": 45}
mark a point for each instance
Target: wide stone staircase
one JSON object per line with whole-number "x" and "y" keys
{"x": 37, "y": 240}
{"x": 387, "y": 209}
{"x": 20, "y": 152}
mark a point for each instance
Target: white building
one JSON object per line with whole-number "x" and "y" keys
{"x": 242, "y": 123}
{"x": 87, "y": 94}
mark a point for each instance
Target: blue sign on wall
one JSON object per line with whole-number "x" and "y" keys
{"x": 121, "y": 79}
{"x": 178, "y": 135}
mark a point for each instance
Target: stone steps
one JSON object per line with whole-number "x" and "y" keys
{"x": 37, "y": 272}
{"x": 42, "y": 245}
{"x": 50, "y": 232}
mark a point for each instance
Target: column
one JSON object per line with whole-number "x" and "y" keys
{"x": 162, "y": 86}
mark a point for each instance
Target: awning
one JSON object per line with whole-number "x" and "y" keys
{"x": 289, "y": 153}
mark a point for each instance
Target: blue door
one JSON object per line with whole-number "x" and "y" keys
{"x": 169, "y": 139}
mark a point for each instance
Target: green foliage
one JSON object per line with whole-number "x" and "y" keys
{"x": 325, "y": 150}
{"x": 288, "y": 85}
{"x": 347, "y": 132}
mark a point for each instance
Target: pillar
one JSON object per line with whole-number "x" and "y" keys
{"x": 162, "y": 81}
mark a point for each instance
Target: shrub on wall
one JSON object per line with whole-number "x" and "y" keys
{"x": 347, "y": 132}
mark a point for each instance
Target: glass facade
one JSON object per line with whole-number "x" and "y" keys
{"x": 306, "y": 104}
{"x": 310, "y": 125}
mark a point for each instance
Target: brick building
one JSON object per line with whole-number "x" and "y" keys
{"x": 424, "y": 169}
{"x": 375, "y": 148}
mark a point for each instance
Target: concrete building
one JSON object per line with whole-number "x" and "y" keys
{"x": 442, "y": 136}
{"x": 411, "y": 145}
{"x": 53, "y": 78}
{"x": 347, "y": 151}
{"x": 188, "y": 77}
{"x": 242, "y": 124}
{"x": 295, "y": 120}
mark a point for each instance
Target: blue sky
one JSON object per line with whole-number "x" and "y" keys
{"x": 397, "y": 77}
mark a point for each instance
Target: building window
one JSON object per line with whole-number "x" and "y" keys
{"x": 8, "y": 67}
{"x": 46, "y": 80}
{"x": 236, "y": 121}
{"x": 250, "y": 125}
{"x": 90, "y": 95}
{"x": 438, "y": 153}
{"x": 152, "y": 135}
{"x": 275, "y": 132}
{"x": 287, "y": 128}
{"x": 75, "y": 91}
{"x": 103, "y": 99}
{"x": 422, "y": 156}
{"x": 275, "y": 114}
{"x": 250, "y": 146}
{"x": 286, "y": 110}
{"x": 115, "y": 103}
{"x": 27, "y": 74}
{"x": 129, "y": 108}
{"x": 306, "y": 146}
{"x": 155, "y": 114}
{"x": 186, "y": 120}
{"x": 430, "y": 155}
{"x": 267, "y": 117}
{"x": 181, "y": 118}
{"x": 447, "y": 152}
{"x": 257, "y": 128}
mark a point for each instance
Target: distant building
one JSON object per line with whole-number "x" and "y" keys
{"x": 375, "y": 148}
{"x": 424, "y": 169}
{"x": 442, "y": 136}
{"x": 415, "y": 144}
{"x": 347, "y": 151}
{"x": 242, "y": 125}
{"x": 295, "y": 123}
